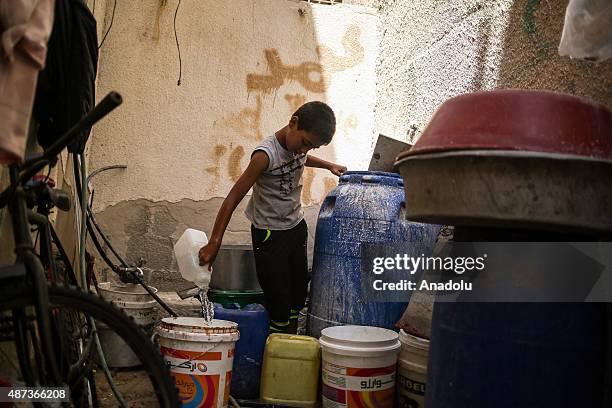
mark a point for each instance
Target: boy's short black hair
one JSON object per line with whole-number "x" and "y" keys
{"x": 317, "y": 118}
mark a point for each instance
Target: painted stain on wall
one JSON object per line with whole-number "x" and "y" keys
{"x": 247, "y": 122}
{"x": 308, "y": 74}
{"x": 353, "y": 52}
{"x": 351, "y": 123}
{"x": 530, "y": 27}
{"x": 234, "y": 167}
{"x": 161, "y": 8}
{"x": 329, "y": 184}
{"x": 218, "y": 152}
{"x": 309, "y": 175}
{"x": 295, "y": 101}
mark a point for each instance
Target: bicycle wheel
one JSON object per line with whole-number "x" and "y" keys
{"x": 80, "y": 309}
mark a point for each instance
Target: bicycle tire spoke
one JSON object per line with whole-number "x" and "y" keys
{"x": 77, "y": 351}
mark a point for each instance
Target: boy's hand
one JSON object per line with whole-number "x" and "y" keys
{"x": 207, "y": 254}
{"x": 337, "y": 169}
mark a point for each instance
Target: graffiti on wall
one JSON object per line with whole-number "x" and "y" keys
{"x": 247, "y": 122}
{"x": 309, "y": 177}
{"x": 351, "y": 123}
{"x": 308, "y": 74}
{"x": 213, "y": 169}
{"x": 295, "y": 101}
{"x": 234, "y": 168}
{"x": 354, "y": 53}
{"x": 313, "y": 77}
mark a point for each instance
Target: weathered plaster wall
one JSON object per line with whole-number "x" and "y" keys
{"x": 246, "y": 66}
{"x": 433, "y": 50}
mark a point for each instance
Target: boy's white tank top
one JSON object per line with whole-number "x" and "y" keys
{"x": 276, "y": 200}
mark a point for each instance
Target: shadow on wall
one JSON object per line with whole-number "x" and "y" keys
{"x": 530, "y": 59}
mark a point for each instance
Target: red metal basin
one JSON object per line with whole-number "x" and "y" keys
{"x": 513, "y": 159}
{"x": 536, "y": 121}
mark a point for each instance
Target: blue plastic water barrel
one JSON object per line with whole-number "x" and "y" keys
{"x": 253, "y": 326}
{"x": 365, "y": 207}
{"x": 508, "y": 355}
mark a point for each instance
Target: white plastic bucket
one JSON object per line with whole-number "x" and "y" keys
{"x": 137, "y": 303}
{"x": 359, "y": 364}
{"x": 133, "y": 299}
{"x": 412, "y": 371}
{"x": 127, "y": 292}
{"x": 200, "y": 358}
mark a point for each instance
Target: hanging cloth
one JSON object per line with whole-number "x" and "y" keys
{"x": 66, "y": 87}
{"x": 25, "y": 26}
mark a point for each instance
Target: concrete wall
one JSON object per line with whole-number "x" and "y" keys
{"x": 433, "y": 50}
{"x": 246, "y": 66}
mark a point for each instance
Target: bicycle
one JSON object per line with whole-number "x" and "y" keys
{"x": 58, "y": 323}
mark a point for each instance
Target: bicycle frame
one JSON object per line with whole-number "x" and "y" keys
{"x": 15, "y": 197}
{"x": 24, "y": 250}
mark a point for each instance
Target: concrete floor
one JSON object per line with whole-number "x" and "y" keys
{"x": 134, "y": 385}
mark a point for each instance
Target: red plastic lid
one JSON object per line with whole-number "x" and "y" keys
{"x": 534, "y": 121}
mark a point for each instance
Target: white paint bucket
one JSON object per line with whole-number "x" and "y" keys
{"x": 126, "y": 292}
{"x": 137, "y": 303}
{"x": 200, "y": 357}
{"x": 412, "y": 371}
{"x": 359, "y": 366}
{"x": 133, "y": 299}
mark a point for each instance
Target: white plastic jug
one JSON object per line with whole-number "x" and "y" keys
{"x": 186, "y": 251}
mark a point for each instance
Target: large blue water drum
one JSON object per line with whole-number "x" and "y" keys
{"x": 507, "y": 355}
{"x": 366, "y": 207}
{"x": 248, "y": 357}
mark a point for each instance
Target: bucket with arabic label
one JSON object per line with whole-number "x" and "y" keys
{"x": 200, "y": 358}
{"x": 412, "y": 371}
{"x": 359, "y": 366}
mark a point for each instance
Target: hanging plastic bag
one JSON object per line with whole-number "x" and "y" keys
{"x": 587, "y": 32}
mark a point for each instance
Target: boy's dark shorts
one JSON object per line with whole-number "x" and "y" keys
{"x": 282, "y": 269}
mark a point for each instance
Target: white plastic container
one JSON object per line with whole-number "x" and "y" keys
{"x": 186, "y": 252}
{"x": 200, "y": 358}
{"x": 359, "y": 364}
{"x": 412, "y": 371}
{"x": 137, "y": 303}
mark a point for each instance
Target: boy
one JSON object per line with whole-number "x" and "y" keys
{"x": 278, "y": 228}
